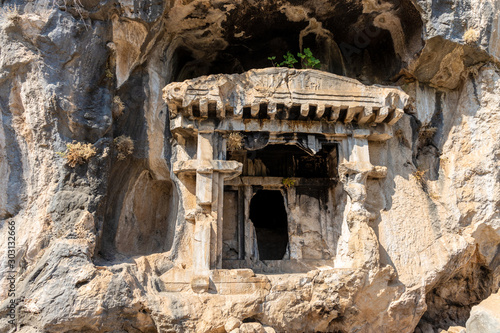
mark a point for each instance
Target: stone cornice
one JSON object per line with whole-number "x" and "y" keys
{"x": 285, "y": 94}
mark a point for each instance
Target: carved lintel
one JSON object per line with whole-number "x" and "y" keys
{"x": 376, "y": 132}
{"x": 361, "y": 133}
{"x": 230, "y": 168}
{"x": 205, "y": 174}
{"x": 289, "y": 87}
{"x": 188, "y": 166}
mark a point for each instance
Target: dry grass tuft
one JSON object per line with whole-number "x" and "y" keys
{"x": 108, "y": 73}
{"x": 234, "y": 141}
{"x": 78, "y": 153}
{"x": 419, "y": 176}
{"x": 10, "y": 13}
{"x": 125, "y": 146}
{"x": 427, "y": 132}
{"x": 75, "y": 8}
{"x": 118, "y": 107}
{"x": 471, "y": 36}
{"x": 434, "y": 196}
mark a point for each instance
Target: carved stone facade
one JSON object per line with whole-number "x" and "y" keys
{"x": 276, "y": 201}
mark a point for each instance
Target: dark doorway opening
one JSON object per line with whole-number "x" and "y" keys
{"x": 268, "y": 214}
{"x": 291, "y": 161}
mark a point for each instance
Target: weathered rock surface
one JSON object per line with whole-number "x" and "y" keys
{"x": 97, "y": 246}
{"x": 485, "y": 316}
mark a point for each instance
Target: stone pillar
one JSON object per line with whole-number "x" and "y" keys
{"x": 354, "y": 170}
{"x": 210, "y": 175}
{"x": 204, "y": 217}
{"x": 210, "y": 171}
{"x": 250, "y": 243}
{"x": 202, "y": 236}
{"x": 204, "y": 171}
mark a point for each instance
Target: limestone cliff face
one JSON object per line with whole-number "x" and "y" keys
{"x": 96, "y": 243}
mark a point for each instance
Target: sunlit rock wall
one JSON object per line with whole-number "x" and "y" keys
{"x": 91, "y": 242}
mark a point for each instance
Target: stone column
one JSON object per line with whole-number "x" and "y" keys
{"x": 204, "y": 217}
{"x": 210, "y": 172}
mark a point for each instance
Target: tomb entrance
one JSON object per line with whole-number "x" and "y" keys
{"x": 277, "y": 137}
{"x": 268, "y": 215}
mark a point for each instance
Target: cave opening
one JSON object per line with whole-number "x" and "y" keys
{"x": 251, "y": 38}
{"x": 371, "y": 46}
{"x": 268, "y": 214}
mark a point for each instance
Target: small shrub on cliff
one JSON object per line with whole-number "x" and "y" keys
{"x": 419, "y": 176}
{"x": 288, "y": 182}
{"x": 234, "y": 141}
{"x": 108, "y": 73}
{"x": 471, "y": 36}
{"x": 118, "y": 107}
{"x": 289, "y": 60}
{"x": 426, "y": 133}
{"x": 125, "y": 146}
{"x": 78, "y": 153}
{"x": 308, "y": 60}
{"x": 271, "y": 59}
{"x": 11, "y": 13}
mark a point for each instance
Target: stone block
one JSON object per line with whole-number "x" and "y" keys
{"x": 252, "y": 328}
{"x": 485, "y": 317}
{"x": 200, "y": 284}
{"x": 232, "y": 324}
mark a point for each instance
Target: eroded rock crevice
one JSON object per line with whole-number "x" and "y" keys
{"x": 450, "y": 302}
